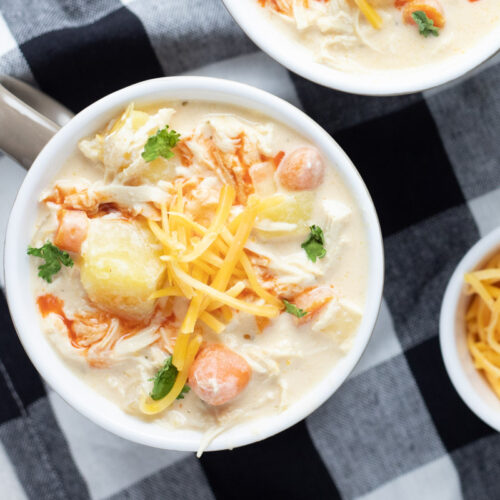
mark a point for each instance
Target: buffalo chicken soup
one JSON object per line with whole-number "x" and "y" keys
{"x": 199, "y": 265}
{"x": 357, "y": 35}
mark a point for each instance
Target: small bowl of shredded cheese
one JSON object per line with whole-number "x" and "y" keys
{"x": 470, "y": 329}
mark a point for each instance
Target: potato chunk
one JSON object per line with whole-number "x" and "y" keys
{"x": 289, "y": 218}
{"x": 121, "y": 267}
{"x": 296, "y": 209}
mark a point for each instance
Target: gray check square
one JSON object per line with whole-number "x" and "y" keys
{"x": 420, "y": 261}
{"x": 359, "y": 432}
{"x": 14, "y": 64}
{"x": 40, "y": 455}
{"x": 479, "y": 468}
{"x": 468, "y": 119}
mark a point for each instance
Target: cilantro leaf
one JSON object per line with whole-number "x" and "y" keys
{"x": 184, "y": 390}
{"x": 53, "y": 257}
{"x": 425, "y": 25}
{"x": 293, "y": 309}
{"x": 164, "y": 381}
{"x": 314, "y": 245}
{"x": 160, "y": 144}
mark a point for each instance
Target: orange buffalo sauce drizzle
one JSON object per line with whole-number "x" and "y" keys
{"x": 48, "y": 304}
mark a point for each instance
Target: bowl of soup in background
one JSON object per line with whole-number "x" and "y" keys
{"x": 280, "y": 39}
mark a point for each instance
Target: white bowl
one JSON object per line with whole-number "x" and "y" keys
{"x": 21, "y": 224}
{"x": 469, "y": 383}
{"x": 296, "y": 57}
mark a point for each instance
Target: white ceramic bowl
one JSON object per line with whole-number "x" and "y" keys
{"x": 21, "y": 224}
{"x": 469, "y": 383}
{"x": 293, "y": 55}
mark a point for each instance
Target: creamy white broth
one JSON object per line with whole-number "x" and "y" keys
{"x": 286, "y": 360}
{"x": 352, "y": 44}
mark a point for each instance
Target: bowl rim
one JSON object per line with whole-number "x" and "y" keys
{"x": 50, "y": 364}
{"x": 484, "y": 247}
{"x": 371, "y": 83}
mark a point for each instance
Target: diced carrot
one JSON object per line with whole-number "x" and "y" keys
{"x": 312, "y": 300}
{"x": 432, "y": 9}
{"x": 72, "y": 230}
{"x": 218, "y": 374}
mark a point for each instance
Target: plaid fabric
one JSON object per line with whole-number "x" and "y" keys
{"x": 396, "y": 429}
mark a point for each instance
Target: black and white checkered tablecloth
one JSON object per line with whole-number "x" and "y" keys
{"x": 396, "y": 429}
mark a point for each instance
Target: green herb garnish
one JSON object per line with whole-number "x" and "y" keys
{"x": 184, "y": 390}
{"x": 164, "y": 381}
{"x": 293, "y": 309}
{"x": 314, "y": 245}
{"x": 161, "y": 144}
{"x": 53, "y": 257}
{"x": 425, "y": 25}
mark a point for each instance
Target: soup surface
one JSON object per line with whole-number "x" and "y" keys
{"x": 360, "y": 35}
{"x": 204, "y": 265}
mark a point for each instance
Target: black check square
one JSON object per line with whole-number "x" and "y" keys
{"x": 107, "y": 50}
{"x": 226, "y": 470}
{"x": 403, "y": 162}
{"x": 456, "y": 424}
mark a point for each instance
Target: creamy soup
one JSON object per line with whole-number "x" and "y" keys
{"x": 204, "y": 266}
{"x": 356, "y": 35}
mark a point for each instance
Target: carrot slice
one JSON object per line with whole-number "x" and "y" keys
{"x": 312, "y": 300}
{"x": 218, "y": 374}
{"x": 432, "y": 9}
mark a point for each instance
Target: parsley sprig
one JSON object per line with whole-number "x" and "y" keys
{"x": 161, "y": 144}
{"x": 425, "y": 25}
{"x": 293, "y": 309}
{"x": 54, "y": 257}
{"x": 164, "y": 381}
{"x": 315, "y": 244}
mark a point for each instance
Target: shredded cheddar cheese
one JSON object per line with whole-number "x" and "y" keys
{"x": 208, "y": 266}
{"x": 267, "y": 311}
{"x": 212, "y": 322}
{"x": 372, "y": 16}
{"x": 483, "y": 321}
{"x": 180, "y": 347}
{"x": 225, "y": 203}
